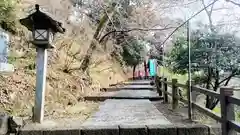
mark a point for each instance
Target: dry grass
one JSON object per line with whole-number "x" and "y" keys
{"x": 66, "y": 85}
{"x": 64, "y": 91}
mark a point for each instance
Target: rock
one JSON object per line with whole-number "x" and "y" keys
{"x": 152, "y": 83}
{"x": 215, "y": 129}
{"x": 15, "y": 124}
{"x": 3, "y": 123}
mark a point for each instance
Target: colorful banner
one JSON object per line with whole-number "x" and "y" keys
{"x": 152, "y": 67}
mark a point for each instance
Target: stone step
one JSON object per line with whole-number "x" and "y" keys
{"x": 140, "y": 78}
{"x": 126, "y": 94}
{"x": 126, "y": 112}
{"x": 148, "y": 130}
{"x": 131, "y": 83}
{"x": 127, "y": 130}
{"x": 135, "y": 82}
{"x": 103, "y": 98}
{"x": 135, "y": 117}
{"x": 128, "y": 88}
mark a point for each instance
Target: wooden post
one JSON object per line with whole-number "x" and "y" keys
{"x": 174, "y": 94}
{"x": 160, "y": 86}
{"x": 145, "y": 69}
{"x": 189, "y": 97}
{"x": 40, "y": 84}
{"x": 227, "y": 111}
{"x": 165, "y": 88}
{"x": 156, "y": 81}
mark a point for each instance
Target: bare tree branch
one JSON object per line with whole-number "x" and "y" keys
{"x": 133, "y": 29}
{"x": 209, "y": 14}
{"x": 181, "y": 5}
{"x": 229, "y": 77}
{"x": 187, "y": 21}
{"x": 215, "y": 101}
{"x": 233, "y": 2}
{"x": 211, "y": 84}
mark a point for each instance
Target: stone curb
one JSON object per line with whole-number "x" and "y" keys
{"x": 133, "y": 130}
{"x": 126, "y": 130}
{"x": 162, "y": 130}
{"x": 100, "y": 130}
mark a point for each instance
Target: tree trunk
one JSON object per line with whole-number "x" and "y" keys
{"x": 213, "y": 101}
{"x": 145, "y": 68}
{"x": 208, "y": 85}
{"x": 86, "y": 60}
{"x": 134, "y": 69}
{"x": 209, "y": 80}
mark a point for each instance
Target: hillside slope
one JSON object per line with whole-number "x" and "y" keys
{"x": 66, "y": 84}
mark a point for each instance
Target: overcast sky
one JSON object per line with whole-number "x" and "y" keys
{"x": 223, "y": 13}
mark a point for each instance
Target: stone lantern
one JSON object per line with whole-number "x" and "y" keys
{"x": 43, "y": 29}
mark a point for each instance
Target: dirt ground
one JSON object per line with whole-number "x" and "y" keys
{"x": 180, "y": 115}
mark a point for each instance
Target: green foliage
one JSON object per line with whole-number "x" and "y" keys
{"x": 6, "y": 7}
{"x": 212, "y": 54}
{"x": 177, "y": 59}
{"x": 11, "y": 59}
{"x": 203, "y": 43}
{"x": 133, "y": 52}
{"x": 7, "y": 16}
{"x": 199, "y": 78}
{"x": 238, "y": 116}
{"x": 170, "y": 75}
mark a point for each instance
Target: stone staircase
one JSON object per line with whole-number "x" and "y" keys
{"x": 127, "y": 110}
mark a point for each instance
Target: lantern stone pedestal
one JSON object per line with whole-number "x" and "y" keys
{"x": 42, "y": 40}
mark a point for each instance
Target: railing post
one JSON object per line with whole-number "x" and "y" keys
{"x": 174, "y": 94}
{"x": 189, "y": 98}
{"x": 227, "y": 110}
{"x": 159, "y": 85}
{"x": 165, "y": 88}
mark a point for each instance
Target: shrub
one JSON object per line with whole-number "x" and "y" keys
{"x": 7, "y": 16}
